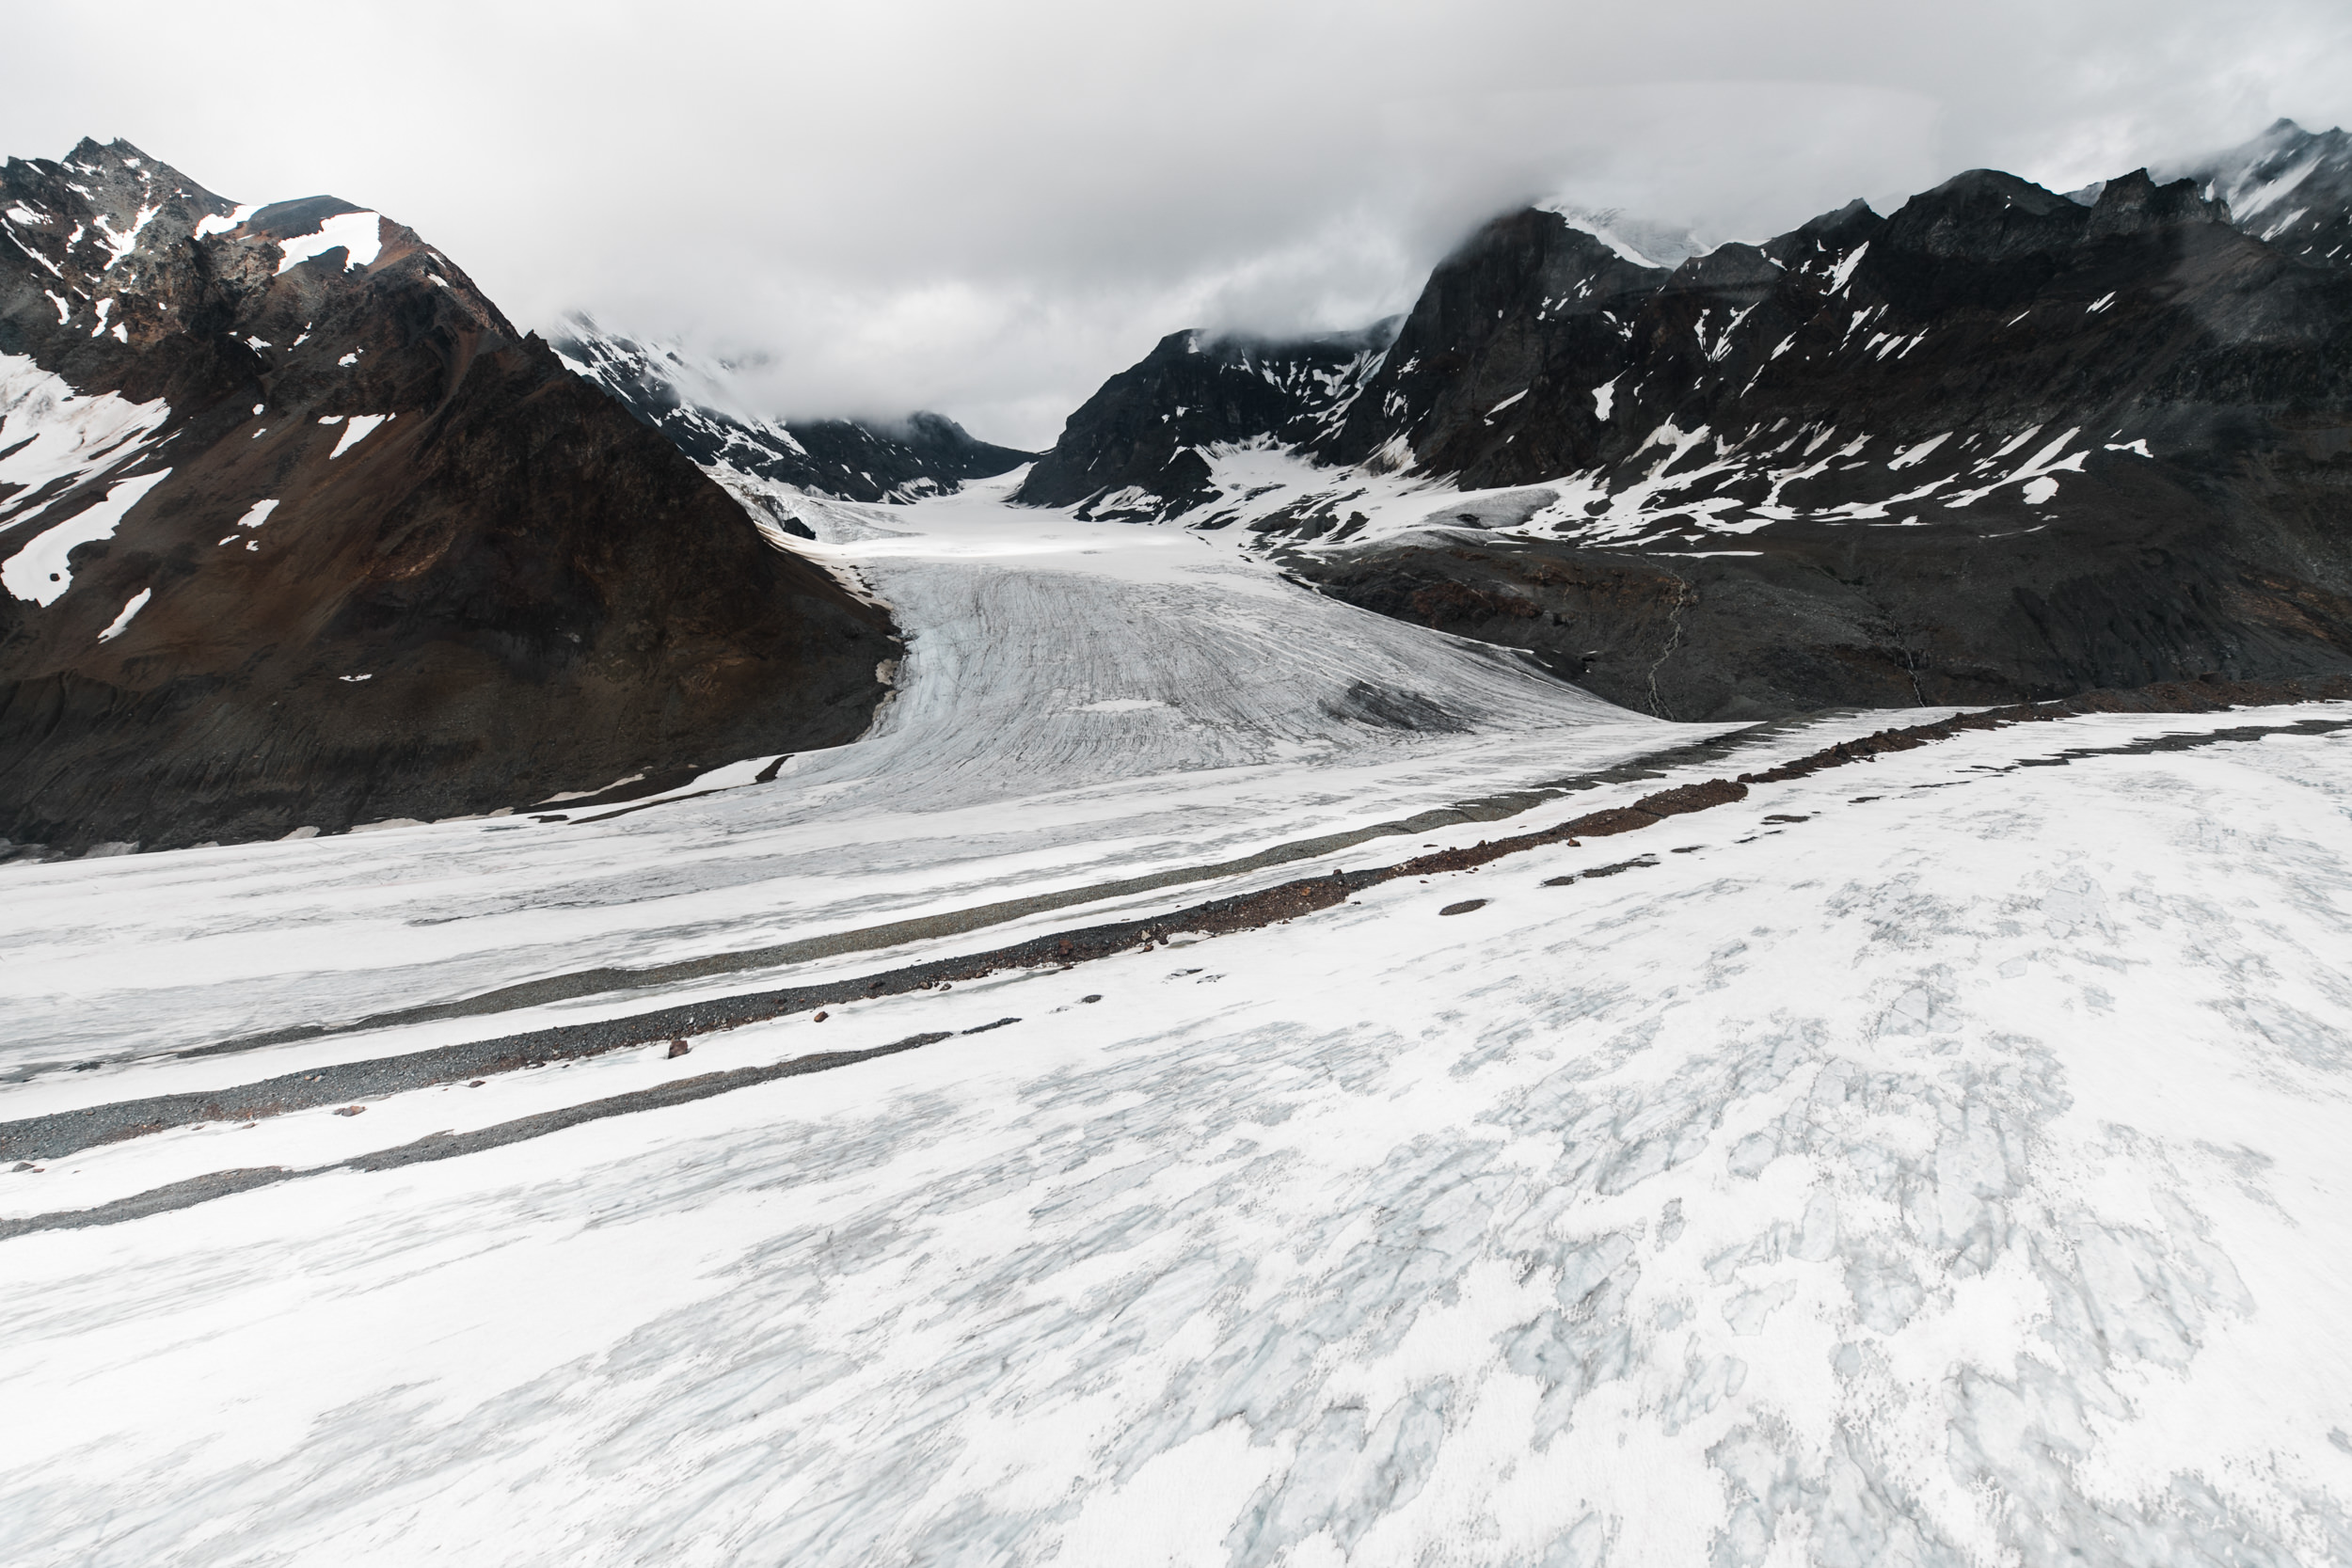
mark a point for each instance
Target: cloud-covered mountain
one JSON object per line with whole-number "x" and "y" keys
{"x": 2288, "y": 187}
{"x": 2003, "y": 443}
{"x": 1133, "y": 449}
{"x": 297, "y": 530}
{"x": 697, "y": 404}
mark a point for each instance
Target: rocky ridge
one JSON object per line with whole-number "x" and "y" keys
{"x": 1133, "y": 449}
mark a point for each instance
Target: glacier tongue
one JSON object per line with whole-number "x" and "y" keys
{"x": 1272, "y": 714}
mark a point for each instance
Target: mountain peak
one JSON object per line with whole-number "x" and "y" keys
{"x": 537, "y": 593}
{"x": 1985, "y": 185}
{"x": 1735, "y": 265}
{"x": 2289, "y": 187}
{"x": 1828, "y": 239}
{"x": 92, "y": 155}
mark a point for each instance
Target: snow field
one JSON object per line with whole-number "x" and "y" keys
{"x": 1954, "y": 1175}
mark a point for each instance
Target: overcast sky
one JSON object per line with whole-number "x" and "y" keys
{"x": 986, "y": 209}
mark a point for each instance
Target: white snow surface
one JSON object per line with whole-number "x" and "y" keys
{"x": 53, "y": 437}
{"x": 359, "y": 429}
{"x": 40, "y": 571}
{"x": 360, "y": 233}
{"x": 1956, "y": 1173}
{"x": 136, "y": 603}
{"x": 1644, "y": 242}
{"x": 220, "y": 223}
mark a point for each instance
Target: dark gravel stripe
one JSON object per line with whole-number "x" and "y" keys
{"x": 592, "y": 982}
{"x": 155, "y": 1200}
{"x": 682, "y": 1091}
{"x": 51, "y": 1136}
{"x": 62, "y": 1133}
{"x": 449, "y": 1146}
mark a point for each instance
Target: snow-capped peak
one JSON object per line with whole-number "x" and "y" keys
{"x": 1644, "y": 242}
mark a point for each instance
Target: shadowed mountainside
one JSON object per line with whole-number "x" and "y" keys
{"x": 298, "y": 529}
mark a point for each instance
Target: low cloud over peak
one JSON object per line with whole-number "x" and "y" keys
{"x": 986, "y": 210}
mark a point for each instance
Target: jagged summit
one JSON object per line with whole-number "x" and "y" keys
{"x": 1825, "y": 241}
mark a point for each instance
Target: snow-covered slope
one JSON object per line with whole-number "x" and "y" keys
{"x": 699, "y": 404}
{"x": 1141, "y": 446}
{"x": 1644, "y": 242}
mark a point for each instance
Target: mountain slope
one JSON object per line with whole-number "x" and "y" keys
{"x": 2002, "y": 444}
{"x": 695, "y": 404}
{"x": 297, "y": 530}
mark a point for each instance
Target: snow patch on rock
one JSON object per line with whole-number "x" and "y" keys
{"x": 359, "y": 233}
{"x": 40, "y": 571}
{"x": 138, "y": 603}
{"x": 359, "y": 429}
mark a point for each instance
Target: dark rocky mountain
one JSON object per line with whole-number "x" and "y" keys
{"x": 297, "y": 530}
{"x": 2001, "y": 445}
{"x": 695, "y": 403}
{"x": 1133, "y": 448}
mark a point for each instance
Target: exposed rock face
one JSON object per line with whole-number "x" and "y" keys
{"x": 693, "y": 402}
{"x": 297, "y": 530}
{"x": 1529, "y": 302}
{"x": 1133, "y": 448}
{"x": 2003, "y": 444}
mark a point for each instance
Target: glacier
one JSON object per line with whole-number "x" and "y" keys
{"x": 1936, "y": 1160}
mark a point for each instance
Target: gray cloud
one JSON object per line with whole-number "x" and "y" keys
{"x": 988, "y": 209}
